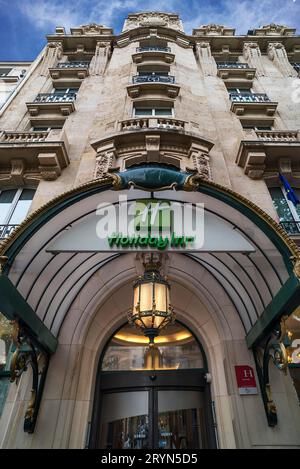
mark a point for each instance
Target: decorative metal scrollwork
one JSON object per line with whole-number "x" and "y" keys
{"x": 274, "y": 348}
{"x": 27, "y": 354}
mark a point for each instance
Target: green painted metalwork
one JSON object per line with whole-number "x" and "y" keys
{"x": 14, "y": 307}
{"x": 285, "y": 302}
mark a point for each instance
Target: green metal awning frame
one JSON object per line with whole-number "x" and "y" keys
{"x": 15, "y": 308}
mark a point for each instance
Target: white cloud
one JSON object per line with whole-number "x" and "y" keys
{"x": 241, "y": 14}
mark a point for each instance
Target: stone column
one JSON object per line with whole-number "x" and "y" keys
{"x": 277, "y": 53}
{"x": 206, "y": 60}
{"x": 252, "y": 55}
{"x": 100, "y": 59}
{"x": 53, "y": 54}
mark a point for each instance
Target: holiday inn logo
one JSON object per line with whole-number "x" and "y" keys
{"x": 150, "y": 224}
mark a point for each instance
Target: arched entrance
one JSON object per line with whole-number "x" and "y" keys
{"x": 153, "y": 397}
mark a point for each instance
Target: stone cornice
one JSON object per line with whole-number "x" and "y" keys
{"x": 235, "y": 43}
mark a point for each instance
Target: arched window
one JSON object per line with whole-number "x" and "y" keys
{"x": 176, "y": 349}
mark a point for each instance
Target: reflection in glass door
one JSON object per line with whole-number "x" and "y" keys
{"x": 181, "y": 422}
{"x": 125, "y": 420}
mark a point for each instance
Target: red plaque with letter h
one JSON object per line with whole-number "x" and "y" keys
{"x": 245, "y": 379}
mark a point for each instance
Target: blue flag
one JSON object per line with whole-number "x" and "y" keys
{"x": 290, "y": 193}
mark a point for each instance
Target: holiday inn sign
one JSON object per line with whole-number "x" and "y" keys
{"x": 150, "y": 224}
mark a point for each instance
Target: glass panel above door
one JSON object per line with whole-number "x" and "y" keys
{"x": 175, "y": 349}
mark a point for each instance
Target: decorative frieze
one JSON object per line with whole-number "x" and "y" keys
{"x": 178, "y": 149}
{"x": 52, "y": 55}
{"x": 213, "y": 30}
{"x": 252, "y": 55}
{"x": 274, "y": 30}
{"x": 277, "y": 53}
{"x": 205, "y": 58}
{"x": 153, "y": 19}
{"x": 92, "y": 29}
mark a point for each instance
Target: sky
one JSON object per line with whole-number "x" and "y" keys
{"x": 25, "y": 23}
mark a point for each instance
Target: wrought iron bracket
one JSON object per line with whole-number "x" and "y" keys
{"x": 28, "y": 353}
{"x": 274, "y": 347}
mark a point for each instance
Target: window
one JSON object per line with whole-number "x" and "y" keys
{"x": 153, "y": 112}
{"x": 14, "y": 206}
{"x": 160, "y": 73}
{"x": 260, "y": 129}
{"x": 64, "y": 90}
{"x": 240, "y": 90}
{"x": 46, "y": 128}
{"x": 5, "y": 71}
{"x": 289, "y": 215}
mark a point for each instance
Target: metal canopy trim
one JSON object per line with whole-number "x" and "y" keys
{"x": 14, "y": 307}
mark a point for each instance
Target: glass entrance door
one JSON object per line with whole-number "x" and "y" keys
{"x": 153, "y": 418}
{"x": 125, "y": 420}
{"x": 152, "y": 397}
{"x": 181, "y": 420}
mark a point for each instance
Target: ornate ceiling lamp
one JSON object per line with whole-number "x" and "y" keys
{"x": 151, "y": 311}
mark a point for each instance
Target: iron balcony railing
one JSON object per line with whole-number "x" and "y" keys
{"x": 156, "y": 78}
{"x": 249, "y": 97}
{"x": 296, "y": 66}
{"x": 232, "y": 65}
{"x": 153, "y": 49}
{"x": 79, "y": 64}
{"x": 291, "y": 227}
{"x": 6, "y": 230}
{"x": 55, "y": 97}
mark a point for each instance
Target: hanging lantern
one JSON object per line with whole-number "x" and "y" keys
{"x": 152, "y": 311}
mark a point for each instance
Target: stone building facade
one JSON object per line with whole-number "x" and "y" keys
{"x": 98, "y": 115}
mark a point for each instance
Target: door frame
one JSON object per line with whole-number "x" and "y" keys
{"x": 152, "y": 381}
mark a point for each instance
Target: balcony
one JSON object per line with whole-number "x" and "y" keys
{"x": 6, "y": 230}
{"x": 34, "y": 154}
{"x": 153, "y": 53}
{"x": 52, "y": 103}
{"x": 151, "y": 123}
{"x": 269, "y": 151}
{"x": 236, "y": 74}
{"x": 253, "y": 108}
{"x": 153, "y": 84}
{"x": 155, "y": 78}
{"x": 291, "y": 227}
{"x": 69, "y": 74}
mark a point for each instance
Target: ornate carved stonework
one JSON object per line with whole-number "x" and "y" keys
{"x": 100, "y": 59}
{"x": 252, "y": 56}
{"x": 104, "y": 162}
{"x": 274, "y": 30}
{"x": 91, "y": 29}
{"x": 52, "y": 55}
{"x": 202, "y": 165}
{"x": 140, "y": 147}
{"x": 213, "y": 30}
{"x": 277, "y": 53}
{"x": 153, "y": 19}
{"x": 206, "y": 60}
